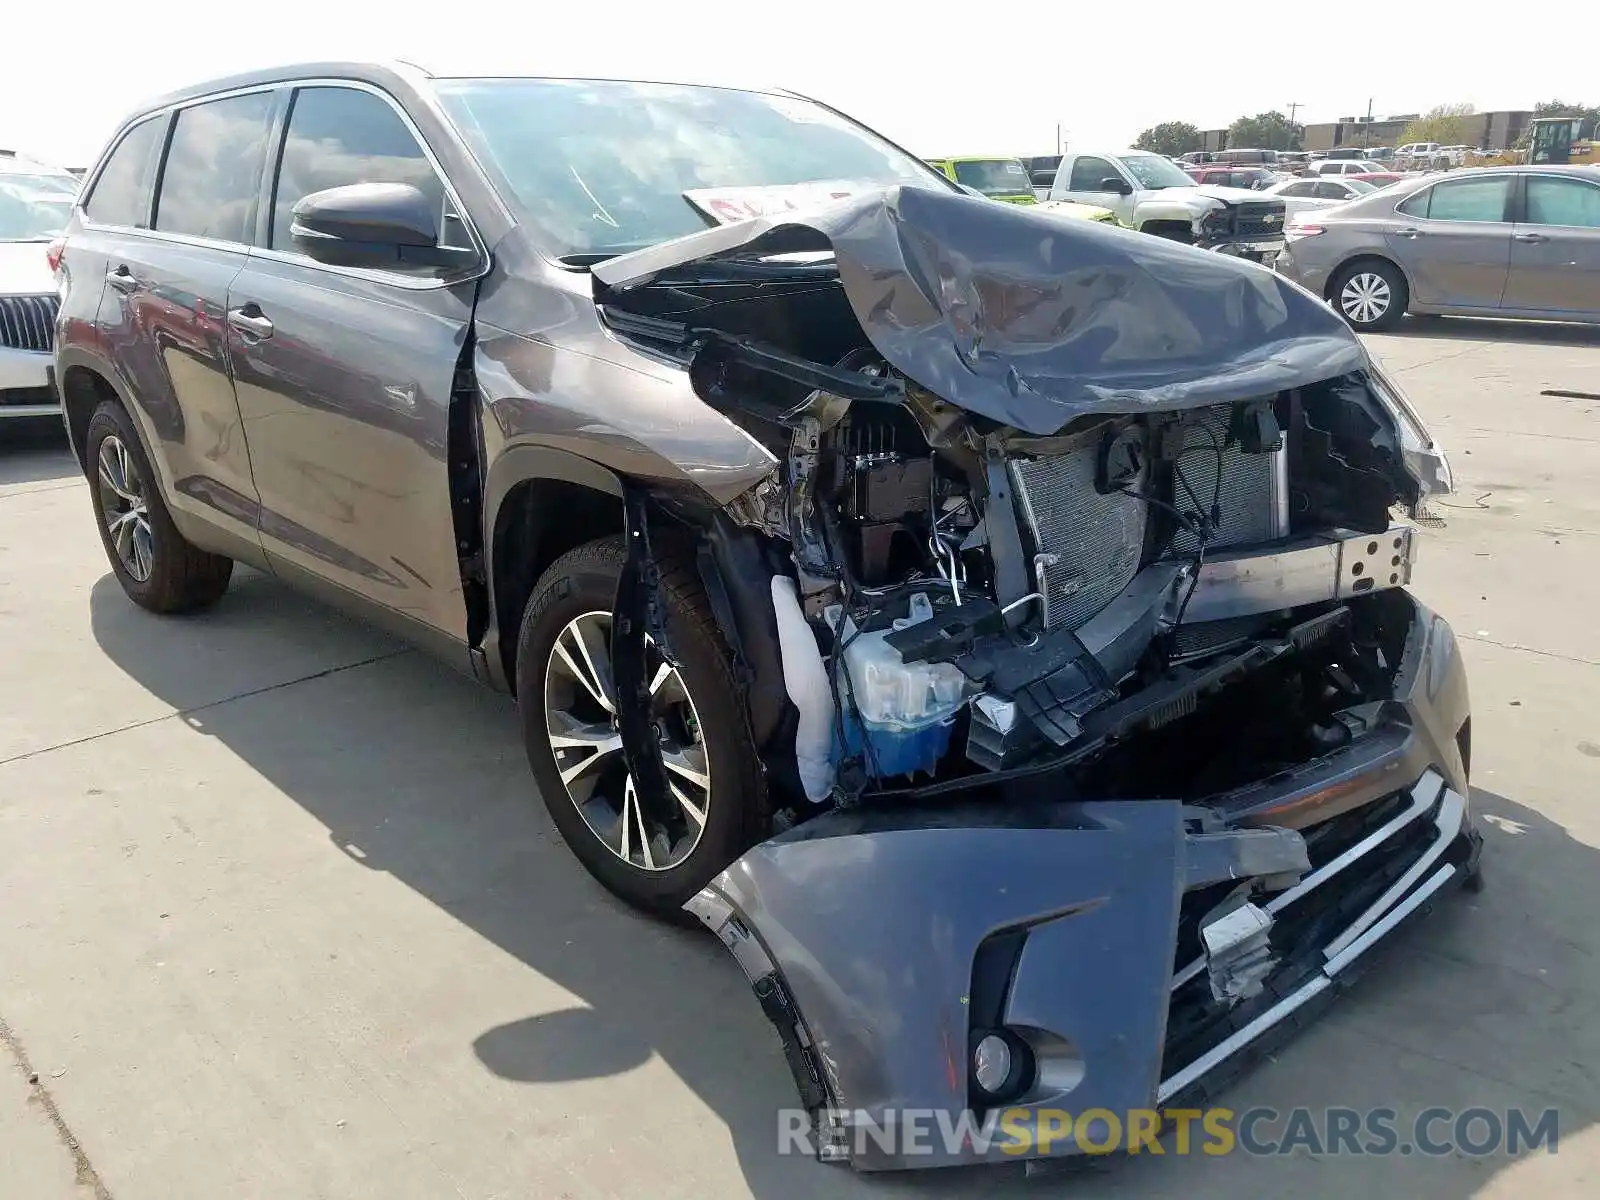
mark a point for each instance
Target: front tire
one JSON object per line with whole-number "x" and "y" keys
{"x": 1370, "y": 295}
{"x": 567, "y": 700}
{"x": 157, "y": 567}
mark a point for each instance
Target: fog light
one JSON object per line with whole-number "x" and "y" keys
{"x": 991, "y": 1063}
{"x": 1002, "y": 1066}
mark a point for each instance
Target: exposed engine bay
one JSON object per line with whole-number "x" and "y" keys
{"x": 955, "y": 595}
{"x": 1085, "y": 557}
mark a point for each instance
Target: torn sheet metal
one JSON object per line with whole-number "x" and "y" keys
{"x": 1030, "y": 320}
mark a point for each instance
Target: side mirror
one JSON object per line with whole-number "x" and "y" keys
{"x": 391, "y": 225}
{"x": 1114, "y": 183}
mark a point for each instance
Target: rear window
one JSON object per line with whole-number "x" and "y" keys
{"x": 121, "y": 194}
{"x": 212, "y": 177}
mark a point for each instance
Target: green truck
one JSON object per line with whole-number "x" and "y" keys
{"x": 998, "y": 178}
{"x": 1007, "y": 180}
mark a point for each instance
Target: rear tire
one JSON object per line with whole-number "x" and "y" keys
{"x": 1371, "y": 295}
{"x": 158, "y": 568}
{"x": 707, "y": 729}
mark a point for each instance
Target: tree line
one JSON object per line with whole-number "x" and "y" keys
{"x": 1446, "y": 124}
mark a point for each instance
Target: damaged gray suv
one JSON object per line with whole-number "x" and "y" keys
{"x": 993, "y": 627}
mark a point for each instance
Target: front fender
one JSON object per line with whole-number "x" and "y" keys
{"x": 1167, "y": 210}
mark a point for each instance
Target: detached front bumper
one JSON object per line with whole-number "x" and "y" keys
{"x": 884, "y": 943}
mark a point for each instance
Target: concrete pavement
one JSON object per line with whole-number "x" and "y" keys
{"x": 280, "y": 915}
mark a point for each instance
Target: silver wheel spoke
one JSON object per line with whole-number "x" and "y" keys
{"x": 663, "y": 673}
{"x": 626, "y": 816}
{"x": 690, "y": 809}
{"x": 582, "y": 651}
{"x": 633, "y": 813}
{"x": 122, "y": 532}
{"x": 143, "y": 557}
{"x": 584, "y": 765}
{"x": 679, "y": 763}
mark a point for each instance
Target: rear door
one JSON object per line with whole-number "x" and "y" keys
{"x": 163, "y": 311}
{"x": 344, "y": 375}
{"x": 1555, "y": 251}
{"x": 1454, "y": 241}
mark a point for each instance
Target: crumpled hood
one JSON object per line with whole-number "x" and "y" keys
{"x": 1232, "y": 195}
{"x": 1030, "y": 320}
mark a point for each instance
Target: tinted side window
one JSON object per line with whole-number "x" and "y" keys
{"x": 1569, "y": 202}
{"x": 1331, "y": 191}
{"x": 212, "y": 174}
{"x": 339, "y": 136}
{"x": 1465, "y": 200}
{"x": 1087, "y": 173}
{"x": 121, "y": 194}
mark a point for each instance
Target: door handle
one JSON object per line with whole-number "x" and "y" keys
{"x": 122, "y": 279}
{"x": 1408, "y": 233}
{"x": 250, "y": 322}
{"x": 1530, "y": 237}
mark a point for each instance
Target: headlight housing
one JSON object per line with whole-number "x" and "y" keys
{"x": 1424, "y": 458}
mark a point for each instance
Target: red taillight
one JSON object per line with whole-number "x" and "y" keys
{"x": 53, "y": 252}
{"x": 1295, "y": 232}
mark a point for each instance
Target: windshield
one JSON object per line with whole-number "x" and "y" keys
{"x": 994, "y": 176}
{"x": 30, "y": 215}
{"x": 52, "y": 182}
{"x": 1153, "y": 171}
{"x": 603, "y": 167}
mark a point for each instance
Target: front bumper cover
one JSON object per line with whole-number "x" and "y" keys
{"x": 874, "y": 939}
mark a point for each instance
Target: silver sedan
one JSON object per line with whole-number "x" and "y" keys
{"x": 1490, "y": 242}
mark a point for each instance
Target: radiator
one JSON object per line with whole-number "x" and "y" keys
{"x": 1097, "y": 541}
{"x": 1252, "y": 498}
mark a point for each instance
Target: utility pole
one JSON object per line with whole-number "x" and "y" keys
{"x": 1366, "y": 130}
{"x": 1294, "y": 107}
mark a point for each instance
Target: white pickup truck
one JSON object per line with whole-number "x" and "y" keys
{"x": 1152, "y": 194}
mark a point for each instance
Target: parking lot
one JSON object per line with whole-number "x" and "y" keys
{"x": 280, "y": 915}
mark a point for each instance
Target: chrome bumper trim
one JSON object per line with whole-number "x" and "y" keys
{"x": 1402, "y": 898}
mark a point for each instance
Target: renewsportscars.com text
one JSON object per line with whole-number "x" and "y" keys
{"x": 1435, "y": 1131}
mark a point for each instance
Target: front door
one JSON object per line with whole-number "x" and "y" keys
{"x": 1087, "y": 185}
{"x": 344, "y": 377}
{"x": 1555, "y": 251}
{"x": 1454, "y": 241}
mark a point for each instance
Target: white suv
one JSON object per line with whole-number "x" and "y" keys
{"x": 35, "y": 202}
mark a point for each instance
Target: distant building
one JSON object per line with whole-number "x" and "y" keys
{"x": 1487, "y": 131}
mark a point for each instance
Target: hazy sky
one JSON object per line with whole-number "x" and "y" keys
{"x": 986, "y": 78}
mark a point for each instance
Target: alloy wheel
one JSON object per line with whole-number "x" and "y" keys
{"x": 1365, "y": 297}
{"x": 580, "y": 712}
{"x": 124, "y": 509}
